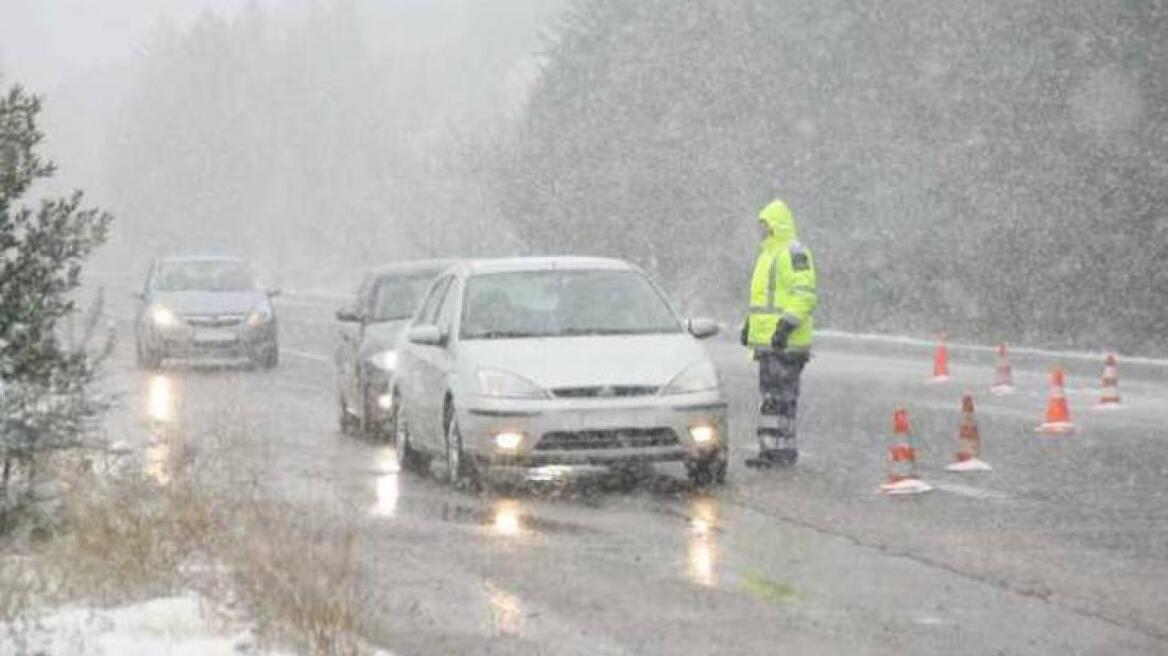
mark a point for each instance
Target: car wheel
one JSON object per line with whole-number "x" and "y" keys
{"x": 460, "y": 472}
{"x": 407, "y": 458}
{"x": 269, "y": 357}
{"x": 370, "y": 429}
{"x": 707, "y": 471}
{"x": 148, "y": 358}
{"x": 345, "y": 420}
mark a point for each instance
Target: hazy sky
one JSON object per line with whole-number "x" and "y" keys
{"x": 44, "y": 43}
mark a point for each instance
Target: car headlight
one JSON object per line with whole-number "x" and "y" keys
{"x": 163, "y": 317}
{"x": 698, "y": 377}
{"x": 503, "y": 384}
{"x": 259, "y": 317}
{"x": 384, "y": 360}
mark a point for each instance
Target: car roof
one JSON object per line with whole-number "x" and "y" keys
{"x": 409, "y": 267}
{"x": 555, "y": 263}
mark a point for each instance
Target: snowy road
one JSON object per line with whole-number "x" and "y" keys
{"x": 1062, "y": 549}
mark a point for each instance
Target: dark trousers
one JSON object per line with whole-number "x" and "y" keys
{"x": 778, "y": 380}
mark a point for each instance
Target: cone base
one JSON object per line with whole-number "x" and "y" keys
{"x": 907, "y": 486}
{"x": 939, "y": 379}
{"x": 1002, "y": 390}
{"x": 1056, "y": 428}
{"x": 971, "y": 465}
{"x": 1109, "y": 405}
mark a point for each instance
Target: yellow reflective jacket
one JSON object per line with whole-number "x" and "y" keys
{"x": 783, "y": 284}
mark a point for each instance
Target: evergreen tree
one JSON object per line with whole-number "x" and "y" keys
{"x": 46, "y": 400}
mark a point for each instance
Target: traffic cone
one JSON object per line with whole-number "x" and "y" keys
{"x": 941, "y": 362}
{"x": 1003, "y": 374}
{"x": 902, "y": 460}
{"x": 968, "y": 442}
{"x": 1058, "y": 415}
{"x": 1110, "y": 398}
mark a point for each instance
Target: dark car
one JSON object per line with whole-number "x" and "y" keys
{"x": 365, "y": 359}
{"x": 195, "y": 307}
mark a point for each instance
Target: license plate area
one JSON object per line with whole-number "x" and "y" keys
{"x": 214, "y": 336}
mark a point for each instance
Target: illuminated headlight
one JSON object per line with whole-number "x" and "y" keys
{"x": 385, "y": 401}
{"x": 163, "y": 317}
{"x": 703, "y": 434}
{"x": 699, "y": 377}
{"x": 384, "y": 360}
{"x": 259, "y": 317}
{"x": 502, "y": 384}
{"x": 508, "y": 440}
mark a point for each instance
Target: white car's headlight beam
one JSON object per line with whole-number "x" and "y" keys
{"x": 503, "y": 384}
{"x": 384, "y": 360}
{"x": 163, "y": 316}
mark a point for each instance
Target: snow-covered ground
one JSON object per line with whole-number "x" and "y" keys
{"x": 173, "y": 626}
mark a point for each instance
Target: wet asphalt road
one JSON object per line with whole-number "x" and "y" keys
{"x": 1062, "y": 549}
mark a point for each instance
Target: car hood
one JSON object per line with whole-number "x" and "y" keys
{"x": 212, "y": 302}
{"x": 589, "y": 361}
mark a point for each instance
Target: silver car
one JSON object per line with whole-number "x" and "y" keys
{"x": 384, "y": 303}
{"x": 198, "y": 306}
{"x": 522, "y": 366}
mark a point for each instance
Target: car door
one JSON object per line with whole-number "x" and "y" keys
{"x": 436, "y": 362}
{"x": 415, "y": 363}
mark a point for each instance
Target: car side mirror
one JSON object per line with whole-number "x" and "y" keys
{"x": 426, "y": 335}
{"x": 703, "y": 328}
{"x": 348, "y": 315}
{"x": 274, "y": 292}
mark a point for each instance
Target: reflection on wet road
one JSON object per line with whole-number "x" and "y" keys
{"x": 507, "y": 518}
{"x": 703, "y": 541}
{"x": 386, "y": 483}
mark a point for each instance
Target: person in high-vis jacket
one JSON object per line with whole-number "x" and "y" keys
{"x": 779, "y": 330}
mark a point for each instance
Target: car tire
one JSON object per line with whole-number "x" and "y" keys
{"x": 407, "y": 457}
{"x": 269, "y": 357}
{"x": 460, "y": 472}
{"x": 708, "y": 471}
{"x": 370, "y": 429}
{"x": 147, "y": 358}
{"x": 345, "y": 419}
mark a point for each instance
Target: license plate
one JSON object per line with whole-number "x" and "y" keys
{"x": 213, "y": 336}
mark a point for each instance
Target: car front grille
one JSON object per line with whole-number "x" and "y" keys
{"x": 604, "y": 391}
{"x": 213, "y": 320}
{"x": 620, "y": 438}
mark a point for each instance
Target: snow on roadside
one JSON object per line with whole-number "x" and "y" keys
{"x": 172, "y": 626}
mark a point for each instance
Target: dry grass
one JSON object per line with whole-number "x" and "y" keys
{"x": 206, "y": 526}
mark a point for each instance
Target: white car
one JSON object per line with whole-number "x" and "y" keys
{"x": 518, "y": 365}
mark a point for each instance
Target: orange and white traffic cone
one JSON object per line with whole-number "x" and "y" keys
{"x": 1058, "y": 414}
{"x": 902, "y": 460}
{"x": 941, "y": 362}
{"x": 968, "y": 442}
{"x": 1110, "y": 398}
{"x": 1003, "y": 374}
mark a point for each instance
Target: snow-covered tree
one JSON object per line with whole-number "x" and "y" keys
{"x": 45, "y": 399}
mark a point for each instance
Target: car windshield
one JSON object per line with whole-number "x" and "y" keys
{"x": 397, "y": 297}
{"x": 203, "y": 275}
{"x": 563, "y": 304}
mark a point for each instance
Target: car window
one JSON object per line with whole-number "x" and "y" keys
{"x": 430, "y": 307}
{"x": 563, "y": 304}
{"x": 396, "y": 297}
{"x": 448, "y": 308}
{"x": 202, "y": 275}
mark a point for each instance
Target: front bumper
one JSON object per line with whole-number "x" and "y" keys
{"x": 594, "y": 432}
{"x": 235, "y": 341}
